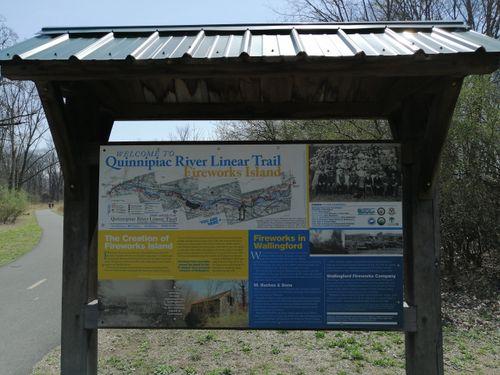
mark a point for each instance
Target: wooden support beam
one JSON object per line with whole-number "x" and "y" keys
{"x": 404, "y": 88}
{"x": 68, "y": 150}
{"x": 247, "y": 111}
{"x": 78, "y": 345}
{"x": 76, "y": 122}
{"x": 438, "y": 123}
{"x": 76, "y": 342}
{"x": 424, "y": 347}
{"x": 421, "y": 126}
{"x": 380, "y": 66}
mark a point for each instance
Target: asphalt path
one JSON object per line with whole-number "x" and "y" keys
{"x": 30, "y": 301}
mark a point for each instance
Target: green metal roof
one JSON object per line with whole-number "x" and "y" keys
{"x": 262, "y": 41}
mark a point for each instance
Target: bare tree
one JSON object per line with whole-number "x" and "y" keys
{"x": 20, "y": 140}
{"x": 7, "y": 36}
{"x": 187, "y": 132}
{"x": 55, "y": 180}
{"x": 24, "y": 152}
{"x": 274, "y": 130}
{"x": 481, "y": 15}
{"x": 266, "y": 130}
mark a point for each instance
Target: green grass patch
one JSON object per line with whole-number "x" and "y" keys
{"x": 17, "y": 239}
{"x": 208, "y": 337}
{"x": 224, "y": 371}
{"x": 164, "y": 370}
{"x": 275, "y": 351}
{"x": 245, "y": 348}
{"x": 386, "y": 362}
{"x": 320, "y": 335}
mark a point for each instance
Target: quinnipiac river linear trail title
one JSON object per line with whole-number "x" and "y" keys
{"x": 292, "y": 236}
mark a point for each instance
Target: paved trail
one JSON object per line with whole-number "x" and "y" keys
{"x": 30, "y": 301}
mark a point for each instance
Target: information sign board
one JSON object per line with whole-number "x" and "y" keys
{"x": 291, "y": 236}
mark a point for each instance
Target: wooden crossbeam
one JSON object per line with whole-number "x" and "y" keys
{"x": 380, "y": 66}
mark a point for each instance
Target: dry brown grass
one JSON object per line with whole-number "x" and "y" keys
{"x": 213, "y": 352}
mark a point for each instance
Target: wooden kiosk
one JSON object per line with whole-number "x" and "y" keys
{"x": 407, "y": 73}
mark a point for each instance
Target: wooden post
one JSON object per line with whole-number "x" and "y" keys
{"x": 421, "y": 126}
{"x": 78, "y": 345}
{"x": 76, "y": 126}
{"x": 423, "y": 348}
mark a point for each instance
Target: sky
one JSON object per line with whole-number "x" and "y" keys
{"x": 27, "y": 17}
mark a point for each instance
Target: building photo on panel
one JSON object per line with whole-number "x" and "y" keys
{"x": 174, "y": 303}
{"x": 215, "y": 303}
{"x": 355, "y": 242}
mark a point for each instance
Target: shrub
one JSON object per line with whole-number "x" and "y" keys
{"x": 12, "y": 204}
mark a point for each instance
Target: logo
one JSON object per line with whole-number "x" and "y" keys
{"x": 371, "y": 221}
{"x": 381, "y": 211}
{"x": 392, "y": 220}
{"x": 392, "y": 211}
{"x": 366, "y": 211}
{"x": 381, "y": 221}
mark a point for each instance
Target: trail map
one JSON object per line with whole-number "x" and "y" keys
{"x": 194, "y": 190}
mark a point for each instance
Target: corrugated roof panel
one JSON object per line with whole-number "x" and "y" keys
{"x": 255, "y": 46}
{"x": 116, "y": 49}
{"x": 183, "y": 46}
{"x": 328, "y": 46}
{"x": 168, "y": 45}
{"x": 396, "y": 45}
{"x": 220, "y": 46}
{"x": 64, "y": 51}
{"x": 311, "y": 45}
{"x": 350, "y": 43}
{"x": 370, "y": 49}
{"x": 401, "y": 42}
{"x": 323, "y": 44}
{"x": 419, "y": 42}
{"x": 489, "y": 44}
{"x": 450, "y": 44}
{"x": 145, "y": 44}
{"x": 235, "y": 46}
{"x": 155, "y": 48}
{"x": 433, "y": 46}
{"x": 257, "y": 41}
{"x": 286, "y": 45}
{"x": 205, "y": 46}
{"x": 378, "y": 44}
{"x": 340, "y": 46}
{"x": 27, "y": 45}
{"x": 270, "y": 45}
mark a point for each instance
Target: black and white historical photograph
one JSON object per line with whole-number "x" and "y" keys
{"x": 355, "y": 242}
{"x": 354, "y": 172}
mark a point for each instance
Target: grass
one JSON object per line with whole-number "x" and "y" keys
{"x": 191, "y": 352}
{"x": 19, "y": 238}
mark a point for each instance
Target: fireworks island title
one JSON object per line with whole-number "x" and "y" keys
{"x": 255, "y": 165}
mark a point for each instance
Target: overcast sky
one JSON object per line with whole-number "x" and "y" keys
{"x": 27, "y": 17}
